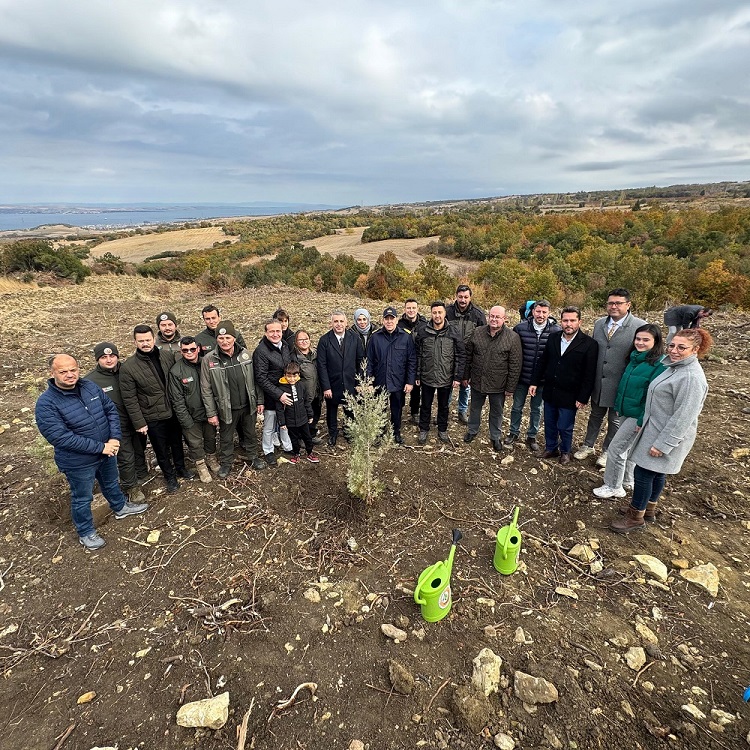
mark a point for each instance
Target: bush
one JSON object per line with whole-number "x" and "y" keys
{"x": 39, "y": 255}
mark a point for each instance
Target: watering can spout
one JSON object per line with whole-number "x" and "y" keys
{"x": 457, "y": 536}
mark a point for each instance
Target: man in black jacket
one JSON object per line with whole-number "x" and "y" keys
{"x": 411, "y": 321}
{"x": 534, "y": 332}
{"x": 207, "y": 337}
{"x": 566, "y": 370}
{"x": 340, "y": 355}
{"x": 440, "y": 365}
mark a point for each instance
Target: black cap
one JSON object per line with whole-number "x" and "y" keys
{"x": 165, "y": 316}
{"x": 390, "y": 312}
{"x": 106, "y": 347}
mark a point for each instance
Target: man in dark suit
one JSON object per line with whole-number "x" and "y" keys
{"x": 566, "y": 370}
{"x": 340, "y": 354}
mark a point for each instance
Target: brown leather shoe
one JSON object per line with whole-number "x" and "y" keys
{"x": 551, "y": 454}
{"x": 564, "y": 458}
{"x": 632, "y": 520}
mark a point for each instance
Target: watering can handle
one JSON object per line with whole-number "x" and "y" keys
{"x": 426, "y": 575}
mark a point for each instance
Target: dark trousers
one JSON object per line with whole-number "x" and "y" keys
{"x": 247, "y": 418}
{"x": 648, "y": 486}
{"x": 166, "y": 440}
{"x": 131, "y": 458}
{"x": 425, "y": 408}
{"x": 414, "y": 401}
{"x": 558, "y": 427}
{"x": 317, "y": 407}
{"x": 332, "y": 415}
{"x": 396, "y": 400}
{"x": 201, "y": 439}
{"x": 299, "y": 435}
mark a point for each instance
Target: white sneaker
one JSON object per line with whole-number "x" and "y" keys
{"x": 602, "y": 460}
{"x": 583, "y": 452}
{"x": 606, "y": 491}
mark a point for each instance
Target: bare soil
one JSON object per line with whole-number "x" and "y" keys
{"x": 219, "y": 601}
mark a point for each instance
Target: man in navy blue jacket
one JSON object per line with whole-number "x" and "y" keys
{"x": 392, "y": 362}
{"x": 83, "y": 426}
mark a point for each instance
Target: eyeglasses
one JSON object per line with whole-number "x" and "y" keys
{"x": 679, "y": 347}
{"x": 617, "y": 304}
{"x": 301, "y": 340}
{"x": 189, "y": 350}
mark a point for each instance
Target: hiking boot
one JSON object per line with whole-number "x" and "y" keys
{"x": 601, "y": 462}
{"x": 397, "y": 438}
{"x": 462, "y": 418}
{"x": 271, "y": 459}
{"x": 532, "y": 445}
{"x": 212, "y": 462}
{"x": 583, "y": 452}
{"x": 497, "y": 445}
{"x": 443, "y": 437}
{"x": 223, "y": 472}
{"x": 606, "y": 491}
{"x": 509, "y": 440}
{"x": 131, "y": 509}
{"x": 317, "y": 440}
{"x": 172, "y": 485}
{"x": 92, "y": 541}
{"x": 422, "y": 439}
{"x": 564, "y": 458}
{"x": 293, "y": 458}
{"x": 633, "y": 519}
{"x": 135, "y": 495}
{"x": 203, "y": 473}
{"x": 185, "y": 473}
{"x": 649, "y": 515}
{"x": 469, "y": 436}
{"x": 551, "y": 454}
{"x": 313, "y": 458}
{"x": 258, "y": 464}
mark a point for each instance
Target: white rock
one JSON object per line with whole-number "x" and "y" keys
{"x": 507, "y": 460}
{"x": 722, "y": 718}
{"x": 211, "y": 712}
{"x": 564, "y": 591}
{"x": 582, "y": 552}
{"x": 652, "y": 565}
{"x": 392, "y": 632}
{"x": 705, "y": 576}
{"x": 635, "y": 657}
{"x": 532, "y": 690}
{"x": 596, "y": 566}
{"x": 520, "y": 636}
{"x": 312, "y": 595}
{"x": 504, "y": 741}
{"x": 692, "y": 710}
{"x": 647, "y": 635}
{"x": 356, "y": 745}
{"x": 486, "y": 674}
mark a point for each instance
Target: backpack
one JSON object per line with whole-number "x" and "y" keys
{"x": 525, "y": 310}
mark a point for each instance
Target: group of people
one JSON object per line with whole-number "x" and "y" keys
{"x": 189, "y": 391}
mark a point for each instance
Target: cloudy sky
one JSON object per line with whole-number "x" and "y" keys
{"x": 348, "y": 102}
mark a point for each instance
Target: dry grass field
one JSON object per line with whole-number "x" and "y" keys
{"x": 141, "y": 246}
{"x": 409, "y": 252}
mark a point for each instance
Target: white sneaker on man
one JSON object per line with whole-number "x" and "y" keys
{"x": 583, "y": 452}
{"x": 606, "y": 491}
{"x": 602, "y": 460}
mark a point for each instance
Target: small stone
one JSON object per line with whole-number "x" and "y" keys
{"x": 507, "y": 460}
{"x": 401, "y": 678}
{"x": 705, "y": 576}
{"x": 582, "y": 552}
{"x": 532, "y": 689}
{"x": 211, "y": 712}
{"x": 471, "y": 708}
{"x": 627, "y": 708}
{"x": 635, "y": 657}
{"x": 722, "y": 717}
{"x": 680, "y": 563}
{"x": 551, "y": 738}
{"x": 652, "y": 565}
{"x": 402, "y": 621}
{"x": 647, "y": 686}
{"x": 692, "y": 710}
{"x": 153, "y": 536}
{"x": 597, "y": 566}
{"x": 486, "y": 674}
{"x": 564, "y": 591}
{"x": 646, "y": 634}
{"x": 580, "y": 525}
{"x": 392, "y": 632}
{"x": 504, "y": 741}
{"x": 356, "y": 745}
{"x": 419, "y": 633}
{"x": 484, "y": 601}
{"x": 312, "y": 595}
{"x": 591, "y": 664}
{"x": 520, "y": 636}
{"x": 490, "y": 631}
{"x": 416, "y": 718}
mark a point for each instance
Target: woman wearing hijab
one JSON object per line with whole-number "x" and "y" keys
{"x": 363, "y": 325}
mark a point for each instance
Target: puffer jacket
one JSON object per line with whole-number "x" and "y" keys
{"x": 300, "y": 412}
{"x": 533, "y": 345}
{"x": 392, "y": 359}
{"x": 441, "y": 355}
{"x": 269, "y": 363}
{"x": 630, "y": 400}
{"x": 493, "y": 363}
{"x": 465, "y": 321}
{"x": 185, "y": 393}
{"x": 77, "y": 423}
{"x": 215, "y": 383}
{"x": 145, "y": 397}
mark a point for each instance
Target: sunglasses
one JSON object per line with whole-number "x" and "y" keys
{"x": 189, "y": 350}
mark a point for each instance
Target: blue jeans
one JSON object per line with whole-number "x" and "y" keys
{"x": 463, "y": 398}
{"x": 535, "y": 411}
{"x": 558, "y": 427}
{"x": 81, "y": 481}
{"x": 648, "y": 487}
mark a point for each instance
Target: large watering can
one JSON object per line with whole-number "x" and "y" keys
{"x": 508, "y": 547}
{"x": 433, "y": 591}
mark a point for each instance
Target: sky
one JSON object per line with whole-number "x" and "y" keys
{"x": 350, "y": 102}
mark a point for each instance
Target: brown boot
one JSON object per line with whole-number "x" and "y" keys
{"x": 212, "y": 462}
{"x": 632, "y": 520}
{"x": 650, "y": 515}
{"x": 203, "y": 472}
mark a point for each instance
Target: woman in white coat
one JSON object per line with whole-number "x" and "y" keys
{"x": 670, "y": 423}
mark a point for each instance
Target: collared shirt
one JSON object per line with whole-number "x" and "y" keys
{"x": 564, "y": 343}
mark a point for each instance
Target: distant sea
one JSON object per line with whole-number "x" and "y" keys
{"x": 121, "y": 216}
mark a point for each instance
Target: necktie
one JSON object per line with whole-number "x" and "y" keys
{"x": 611, "y": 331}
{"x": 341, "y": 344}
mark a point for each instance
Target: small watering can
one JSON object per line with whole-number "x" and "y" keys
{"x": 433, "y": 591}
{"x": 508, "y": 547}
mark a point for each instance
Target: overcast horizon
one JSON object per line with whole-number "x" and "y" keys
{"x": 367, "y": 103}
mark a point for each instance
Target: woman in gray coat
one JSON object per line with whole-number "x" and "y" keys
{"x": 670, "y": 422}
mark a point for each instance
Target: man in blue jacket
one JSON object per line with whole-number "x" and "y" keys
{"x": 392, "y": 362}
{"x": 83, "y": 426}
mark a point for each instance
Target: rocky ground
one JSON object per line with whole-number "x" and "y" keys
{"x": 292, "y": 606}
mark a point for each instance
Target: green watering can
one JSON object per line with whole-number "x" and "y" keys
{"x": 508, "y": 547}
{"x": 433, "y": 591}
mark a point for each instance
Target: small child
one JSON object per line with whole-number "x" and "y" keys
{"x": 298, "y": 417}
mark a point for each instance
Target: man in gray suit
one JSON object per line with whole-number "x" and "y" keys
{"x": 614, "y": 333}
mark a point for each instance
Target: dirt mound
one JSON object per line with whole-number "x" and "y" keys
{"x": 270, "y": 580}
